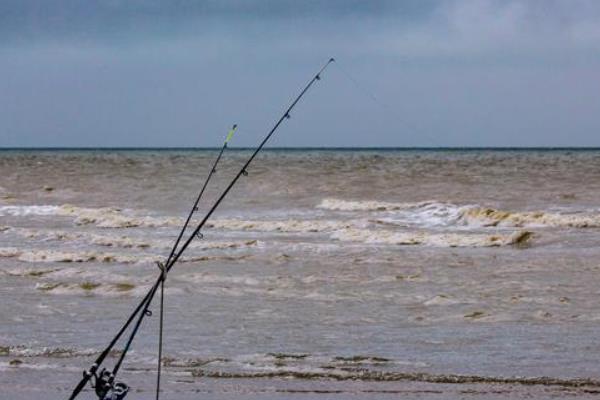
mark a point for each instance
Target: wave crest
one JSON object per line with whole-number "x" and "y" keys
{"x": 290, "y": 225}
{"x": 103, "y": 217}
{"x": 436, "y": 213}
{"x": 433, "y": 239}
{"x": 481, "y": 216}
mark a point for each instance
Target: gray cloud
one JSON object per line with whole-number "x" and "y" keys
{"x": 413, "y": 24}
{"x": 455, "y": 72}
{"x": 97, "y": 20}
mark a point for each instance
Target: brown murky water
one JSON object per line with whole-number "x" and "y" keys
{"x": 365, "y": 274}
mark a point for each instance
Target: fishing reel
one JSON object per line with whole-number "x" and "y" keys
{"x": 105, "y": 386}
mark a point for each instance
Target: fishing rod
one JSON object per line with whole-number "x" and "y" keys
{"x": 195, "y": 206}
{"x": 165, "y": 268}
{"x": 242, "y": 172}
{"x": 213, "y": 169}
{"x": 87, "y": 375}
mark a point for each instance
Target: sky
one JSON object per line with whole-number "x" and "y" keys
{"x": 179, "y": 73}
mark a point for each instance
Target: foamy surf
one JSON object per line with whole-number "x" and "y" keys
{"x": 432, "y": 239}
{"x": 299, "y": 367}
{"x": 367, "y": 205}
{"x": 290, "y": 225}
{"x": 434, "y": 213}
{"x": 57, "y": 256}
{"x": 118, "y": 218}
{"x": 123, "y": 241}
{"x": 128, "y": 243}
{"x": 426, "y": 214}
{"x": 115, "y": 218}
{"x": 104, "y": 217}
{"x": 47, "y": 255}
{"x": 481, "y": 216}
{"x": 98, "y": 288}
{"x": 22, "y": 211}
{"x": 50, "y": 352}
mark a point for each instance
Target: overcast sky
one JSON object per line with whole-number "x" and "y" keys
{"x": 409, "y": 73}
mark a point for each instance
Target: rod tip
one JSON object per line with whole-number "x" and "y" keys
{"x": 332, "y": 60}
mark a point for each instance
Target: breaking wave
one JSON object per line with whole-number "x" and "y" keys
{"x": 302, "y": 366}
{"x": 377, "y": 228}
{"x": 114, "y": 218}
{"x": 119, "y": 218}
{"x": 290, "y": 225}
{"x": 46, "y": 255}
{"x": 123, "y": 241}
{"x": 481, "y": 216}
{"x": 105, "y": 217}
{"x": 20, "y": 211}
{"x": 49, "y": 352}
{"x": 432, "y": 239}
{"x": 438, "y": 213}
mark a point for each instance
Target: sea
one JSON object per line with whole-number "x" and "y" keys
{"x": 323, "y": 274}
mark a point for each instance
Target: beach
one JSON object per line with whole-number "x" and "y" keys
{"x": 326, "y": 273}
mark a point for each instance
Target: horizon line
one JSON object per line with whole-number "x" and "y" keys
{"x": 298, "y": 148}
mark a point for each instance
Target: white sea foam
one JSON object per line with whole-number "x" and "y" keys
{"x": 43, "y": 234}
{"x": 427, "y": 213}
{"x": 47, "y": 255}
{"x": 56, "y": 256}
{"x": 118, "y": 218}
{"x": 367, "y": 205}
{"x": 80, "y": 273}
{"x": 431, "y": 239}
{"x": 119, "y": 241}
{"x": 482, "y": 216}
{"x": 19, "y": 211}
{"x": 211, "y": 278}
{"x": 129, "y": 242}
{"x": 9, "y": 252}
{"x": 434, "y": 213}
{"x": 290, "y": 225}
{"x": 29, "y": 272}
{"x": 104, "y": 217}
{"x": 124, "y": 241}
{"x": 115, "y": 218}
{"x": 51, "y": 352}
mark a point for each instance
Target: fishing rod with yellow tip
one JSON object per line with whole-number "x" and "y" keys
{"x": 242, "y": 172}
{"x": 194, "y": 209}
{"x": 145, "y": 304}
{"x": 104, "y": 380}
{"x": 195, "y": 206}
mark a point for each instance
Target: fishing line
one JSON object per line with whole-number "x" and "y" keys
{"x": 389, "y": 110}
{"x": 143, "y": 307}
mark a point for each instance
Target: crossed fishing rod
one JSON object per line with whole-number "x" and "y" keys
{"x": 104, "y": 382}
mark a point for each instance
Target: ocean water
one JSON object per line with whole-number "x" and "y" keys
{"x": 324, "y": 274}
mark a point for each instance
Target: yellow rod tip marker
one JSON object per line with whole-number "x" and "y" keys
{"x": 230, "y": 134}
